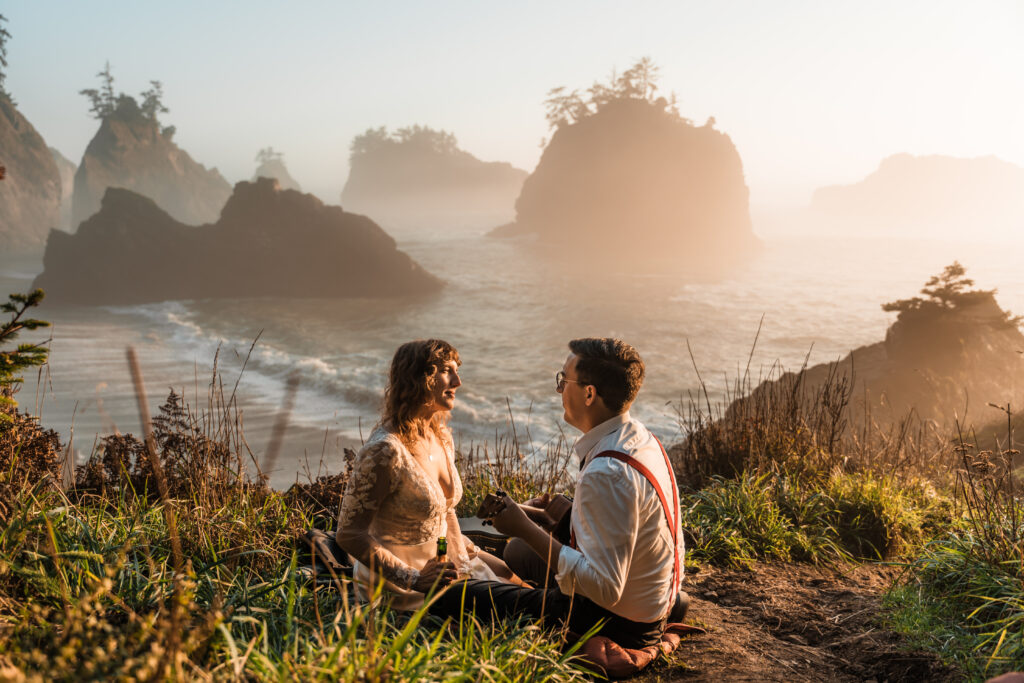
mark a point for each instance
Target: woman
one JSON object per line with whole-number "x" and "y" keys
{"x": 404, "y": 486}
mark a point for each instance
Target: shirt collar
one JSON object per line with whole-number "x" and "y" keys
{"x": 588, "y": 441}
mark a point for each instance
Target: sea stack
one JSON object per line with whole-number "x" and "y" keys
{"x": 418, "y": 178}
{"x": 634, "y": 175}
{"x": 271, "y": 165}
{"x": 267, "y": 242}
{"x": 131, "y": 151}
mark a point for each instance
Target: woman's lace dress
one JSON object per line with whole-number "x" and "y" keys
{"x": 392, "y": 514}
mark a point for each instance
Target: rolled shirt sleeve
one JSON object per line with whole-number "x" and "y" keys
{"x": 605, "y": 520}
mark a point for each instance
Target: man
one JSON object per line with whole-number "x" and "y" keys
{"x": 623, "y": 561}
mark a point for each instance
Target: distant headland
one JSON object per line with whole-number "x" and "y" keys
{"x": 30, "y": 196}
{"x": 929, "y": 197}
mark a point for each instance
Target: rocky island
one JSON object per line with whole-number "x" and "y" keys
{"x": 132, "y": 150}
{"x": 418, "y": 177}
{"x": 623, "y": 166}
{"x": 267, "y": 242}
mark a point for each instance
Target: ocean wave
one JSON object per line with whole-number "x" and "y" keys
{"x": 341, "y": 389}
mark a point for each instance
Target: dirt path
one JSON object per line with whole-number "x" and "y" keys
{"x": 794, "y": 623}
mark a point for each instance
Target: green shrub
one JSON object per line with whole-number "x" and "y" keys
{"x": 874, "y": 516}
{"x": 791, "y": 517}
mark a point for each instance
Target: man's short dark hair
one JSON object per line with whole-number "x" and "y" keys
{"x": 612, "y": 366}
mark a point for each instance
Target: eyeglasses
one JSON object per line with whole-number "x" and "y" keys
{"x": 561, "y": 379}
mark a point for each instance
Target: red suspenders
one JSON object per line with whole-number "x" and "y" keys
{"x": 673, "y": 521}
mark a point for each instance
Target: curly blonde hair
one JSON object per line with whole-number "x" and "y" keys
{"x": 410, "y": 385}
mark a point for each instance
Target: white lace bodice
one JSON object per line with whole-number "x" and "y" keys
{"x": 393, "y": 512}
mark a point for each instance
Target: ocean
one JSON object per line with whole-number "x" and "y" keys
{"x": 510, "y": 309}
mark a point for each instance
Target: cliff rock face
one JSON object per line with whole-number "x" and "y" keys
{"x": 418, "y": 178}
{"x": 943, "y": 365}
{"x": 633, "y": 174}
{"x": 267, "y": 242}
{"x": 275, "y": 168}
{"x": 928, "y": 196}
{"x": 130, "y": 151}
{"x": 67, "y": 169}
{"x": 30, "y": 194}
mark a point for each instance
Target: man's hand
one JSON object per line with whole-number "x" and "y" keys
{"x": 441, "y": 573}
{"x": 511, "y": 519}
{"x": 539, "y": 501}
{"x": 536, "y": 510}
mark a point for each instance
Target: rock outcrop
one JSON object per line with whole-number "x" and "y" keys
{"x": 67, "y": 169}
{"x": 943, "y": 362}
{"x": 635, "y": 174}
{"x": 928, "y": 196}
{"x": 31, "y": 190}
{"x": 131, "y": 151}
{"x": 267, "y": 242}
{"x": 418, "y": 178}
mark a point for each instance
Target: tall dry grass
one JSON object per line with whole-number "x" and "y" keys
{"x": 783, "y": 422}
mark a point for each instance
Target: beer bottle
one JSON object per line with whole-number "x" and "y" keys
{"x": 442, "y": 549}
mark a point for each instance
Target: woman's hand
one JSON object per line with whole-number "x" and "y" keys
{"x": 434, "y": 572}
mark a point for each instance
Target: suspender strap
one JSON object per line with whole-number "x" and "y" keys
{"x": 672, "y": 519}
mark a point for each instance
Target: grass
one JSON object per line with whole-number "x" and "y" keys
{"x": 965, "y": 593}
{"x": 170, "y": 558}
{"x": 779, "y": 475}
{"x": 90, "y": 590}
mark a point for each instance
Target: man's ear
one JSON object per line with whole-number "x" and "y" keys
{"x": 591, "y": 395}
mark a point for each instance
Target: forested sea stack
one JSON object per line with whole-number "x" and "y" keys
{"x": 133, "y": 151}
{"x": 417, "y": 177}
{"x": 950, "y": 353}
{"x": 271, "y": 165}
{"x": 267, "y": 242}
{"x": 624, "y": 165}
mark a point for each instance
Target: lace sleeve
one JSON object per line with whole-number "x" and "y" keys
{"x": 464, "y": 549}
{"x": 370, "y": 483}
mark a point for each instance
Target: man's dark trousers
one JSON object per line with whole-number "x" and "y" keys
{"x": 488, "y": 600}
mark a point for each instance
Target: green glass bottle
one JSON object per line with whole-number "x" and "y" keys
{"x": 442, "y": 549}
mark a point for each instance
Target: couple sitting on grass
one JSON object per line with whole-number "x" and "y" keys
{"x": 619, "y": 557}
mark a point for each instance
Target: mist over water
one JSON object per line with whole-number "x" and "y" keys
{"x": 509, "y": 308}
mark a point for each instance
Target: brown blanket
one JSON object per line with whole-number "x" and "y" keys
{"x": 607, "y": 657}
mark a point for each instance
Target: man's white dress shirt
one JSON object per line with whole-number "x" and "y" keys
{"x": 623, "y": 558}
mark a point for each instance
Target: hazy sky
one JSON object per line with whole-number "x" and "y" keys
{"x": 812, "y": 92}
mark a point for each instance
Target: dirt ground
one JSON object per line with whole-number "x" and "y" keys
{"x": 793, "y": 623}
